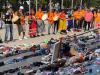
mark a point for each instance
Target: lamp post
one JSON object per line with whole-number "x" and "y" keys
{"x": 29, "y": 6}
{"x": 36, "y": 5}
{"x": 72, "y": 5}
{"x": 81, "y": 4}
{"x": 62, "y": 7}
{"x": 50, "y": 5}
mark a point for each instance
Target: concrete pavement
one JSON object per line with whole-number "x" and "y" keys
{"x": 35, "y": 40}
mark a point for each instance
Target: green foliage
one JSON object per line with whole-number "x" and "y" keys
{"x": 67, "y": 3}
{"x": 95, "y": 3}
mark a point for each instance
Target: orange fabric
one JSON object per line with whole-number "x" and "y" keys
{"x": 97, "y": 17}
{"x": 22, "y": 19}
{"x": 29, "y": 17}
{"x": 39, "y": 14}
{"x": 50, "y": 17}
{"x": 77, "y": 15}
{"x": 82, "y": 12}
{"x": 62, "y": 16}
{"x": 97, "y": 20}
{"x": 94, "y": 14}
{"x": 81, "y": 57}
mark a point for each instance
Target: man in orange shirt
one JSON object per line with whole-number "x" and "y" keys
{"x": 50, "y": 21}
{"x": 40, "y": 25}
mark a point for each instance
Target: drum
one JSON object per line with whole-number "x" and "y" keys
{"x": 15, "y": 18}
{"x": 44, "y": 17}
{"x": 55, "y": 18}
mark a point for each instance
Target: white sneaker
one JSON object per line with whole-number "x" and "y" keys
{"x": 25, "y": 38}
{"x": 20, "y": 38}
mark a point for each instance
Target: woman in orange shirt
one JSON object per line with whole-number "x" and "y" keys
{"x": 40, "y": 25}
{"x": 22, "y": 26}
{"x": 50, "y": 21}
{"x": 97, "y": 19}
{"x": 62, "y": 21}
{"x": 77, "y": 19}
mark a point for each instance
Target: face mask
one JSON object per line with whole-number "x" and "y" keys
{"x": 7, "y": 13}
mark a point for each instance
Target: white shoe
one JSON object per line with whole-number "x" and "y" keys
{"x": 25, "y": 38}
{"x": 20, "y": 38}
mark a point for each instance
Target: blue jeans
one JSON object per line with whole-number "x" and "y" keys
{"x": 49, "y": 27}
{"x": 9, "y": 32}
{"x": 40, "y": 26}
{"x": 41, "y": 52}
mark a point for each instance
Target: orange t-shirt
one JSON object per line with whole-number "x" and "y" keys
{"x": 94, "y": 14}
{"x": 22, "y": 20}
{"x": 97, "y": 17}
{"x": 77, "y": 15}
{"x": 62, "y": 16}
{"x": 50, "y": 17}
{"x": 31, "y": 17}
{"x": 39, "y": 14}
{"x": 82, "y": 12}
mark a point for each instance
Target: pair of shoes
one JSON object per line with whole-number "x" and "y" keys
{"x": 54, "y": 33}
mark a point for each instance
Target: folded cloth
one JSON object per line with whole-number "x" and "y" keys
{"x": 97, "y": 51}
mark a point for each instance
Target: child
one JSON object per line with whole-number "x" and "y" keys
{"x": 70, "y": 23}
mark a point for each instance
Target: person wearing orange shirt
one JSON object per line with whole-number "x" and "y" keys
{"x": 77, "y": 19}
{"x": 82, "y": 12}
{"x": 22, "y": 26}
{"x": 97, "y": 19}
{"x": 62, "y": 21}
{"x": 50, "y": 21}
{"x": 40, "y": 25}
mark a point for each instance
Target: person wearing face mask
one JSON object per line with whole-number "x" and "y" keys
{"x": 8, "y": 24}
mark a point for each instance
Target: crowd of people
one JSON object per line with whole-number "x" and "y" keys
{"x": 85, "y": 49}
{"x": 60, "y": 21}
